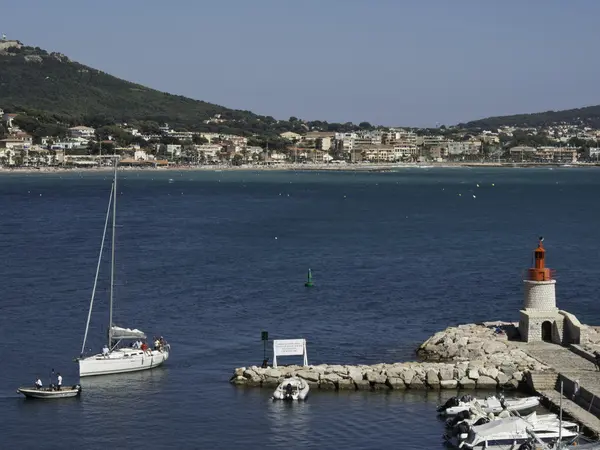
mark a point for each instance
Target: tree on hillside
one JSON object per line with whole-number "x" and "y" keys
{"x": 199, "y": 140}
{"x": 237, "y": 160}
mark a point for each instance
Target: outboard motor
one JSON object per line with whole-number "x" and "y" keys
{"x": 482, "y": 421}
{"x": 461, "y": 428}
{"x": 466, "y": 414}
{"x": 288, "y": 392}
{"x": 449, "y": 404}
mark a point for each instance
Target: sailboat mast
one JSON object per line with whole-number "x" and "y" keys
{"x": 87, "y": 325}
{"x": 112, "y": 257}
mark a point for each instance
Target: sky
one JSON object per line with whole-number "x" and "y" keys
{"x": 387, "y": 62}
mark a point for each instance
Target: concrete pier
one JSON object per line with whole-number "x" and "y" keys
{"x": 574, "y": 367}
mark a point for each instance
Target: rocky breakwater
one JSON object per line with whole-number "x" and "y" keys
{"x": 468, "y": 356}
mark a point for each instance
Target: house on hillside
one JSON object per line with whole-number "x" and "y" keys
{"x": 321, "y": 140}
{"x": 21, "y": 141}
{"x": 82, "y": 132}
{"x": 291, "y": 136}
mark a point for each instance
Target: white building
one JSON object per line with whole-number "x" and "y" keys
{"x": 406, "y": 150}
{"x": 210, "y": 151}
{"x": 174, "y": 149}
{"x": 462, "y": 148}
{"x": 82, "y": 132}
{"x": 593, "y": 153}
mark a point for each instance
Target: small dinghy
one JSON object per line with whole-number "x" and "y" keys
{"x": 50, "y": 393}
{"x": 488, "y": 405}
{"x": 291, "y": 389}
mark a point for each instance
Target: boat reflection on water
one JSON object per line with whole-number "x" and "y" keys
{"x": 289, "y": 423}
{"x": 129, "y": 385}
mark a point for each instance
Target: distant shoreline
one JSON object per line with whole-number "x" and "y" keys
{"x": 362, "y": 167}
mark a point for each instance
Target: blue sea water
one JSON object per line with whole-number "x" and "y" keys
{"x": 212, "y": 258}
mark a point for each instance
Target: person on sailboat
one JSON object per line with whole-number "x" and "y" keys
{"x": 58, "y": 382}
{"x": 105, "y": 350}
{"x": 38, "y": 383}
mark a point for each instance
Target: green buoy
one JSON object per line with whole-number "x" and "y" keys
{"x": 309, "y": 282}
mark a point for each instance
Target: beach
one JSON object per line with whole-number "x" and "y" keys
{"x": 364, "y": 167}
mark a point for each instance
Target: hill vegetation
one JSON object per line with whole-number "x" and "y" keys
{"x": 58, "y": 93}
{"x": 588, "y": 116}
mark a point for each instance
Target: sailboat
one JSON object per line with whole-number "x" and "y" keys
{"x": 115, "y": 358}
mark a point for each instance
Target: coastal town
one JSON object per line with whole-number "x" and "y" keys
{"x": 162, "y": 145}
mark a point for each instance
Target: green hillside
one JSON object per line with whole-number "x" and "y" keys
{"x": 588, "y": 116}
{"x": 54, "y": 88}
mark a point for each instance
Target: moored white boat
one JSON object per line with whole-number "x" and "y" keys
{"x": 513, "y": 432}
{"x": 114, "y": 358}
{"x": 291, "y": 389}
{"x": 491, "y": 404}
{"x": 50, "y": 393}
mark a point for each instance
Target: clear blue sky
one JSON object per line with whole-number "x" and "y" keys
{"x": 391, "y": 62}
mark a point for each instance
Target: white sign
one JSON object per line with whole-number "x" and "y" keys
{"x": 289, "y": 347}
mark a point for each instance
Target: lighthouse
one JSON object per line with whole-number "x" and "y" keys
{"x": 540, "y": 319}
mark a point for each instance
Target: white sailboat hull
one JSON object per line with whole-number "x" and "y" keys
{"x": 122, "y": 361}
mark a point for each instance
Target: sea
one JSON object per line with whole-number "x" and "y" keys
{"x": 210, "y": 259}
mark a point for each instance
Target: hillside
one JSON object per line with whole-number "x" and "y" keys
{"x": 588, "y": 116}
{"x": 51, "y": 85}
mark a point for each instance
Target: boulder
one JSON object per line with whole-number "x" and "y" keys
{"x": 476, "y": 364}
{"x": 355, "y": 374}
{"x": 308, "y": 375}
{"x": 474, "y": 345}
{"x": 508, "y": 369}
{"x": 473, "y": 374}
{"x": 494, "y": 347}
{"x": 512, "y": 384}
{"x": 467, "y": 383}
{"x": 448, "y": 384}
{"x": 433, "y": 378}
{"x": 446, "y": 373}
{"x": 462, "y": 341}
{"x": 408, "y": 375}
{"x": 239, "y": 380}
{"x": 273, "y": 373}
{"x": 450, "y": 352}
{"x": 518, "y": 376}
{"x": 332, "y": 377}
{"x": 374, "y": 377}
{"x": 459, "y": 372}
{"x": 327, "y": 385}
{"x": 380, "y": 386}
{"x": 417, "y": 384}
{"x": 362, "y": 385}
{"x": 485, "y": 382}
{"x": 491, "y": 372}
{"x": 395, "y": 371}
{"x": 396, "y": 383}
{"x": 239, "y": 372}
{"x": 502, "y": 378}
{"x": 336, "y": 369}
{"x": 346, "y": 385}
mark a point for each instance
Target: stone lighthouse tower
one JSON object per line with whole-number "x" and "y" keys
{"x": 540, "y": 318}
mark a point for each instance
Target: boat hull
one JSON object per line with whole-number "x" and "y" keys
{"x": 48, "y": 394}
{"x": 121, "y": 362}
{"x": 522, "y": 406}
